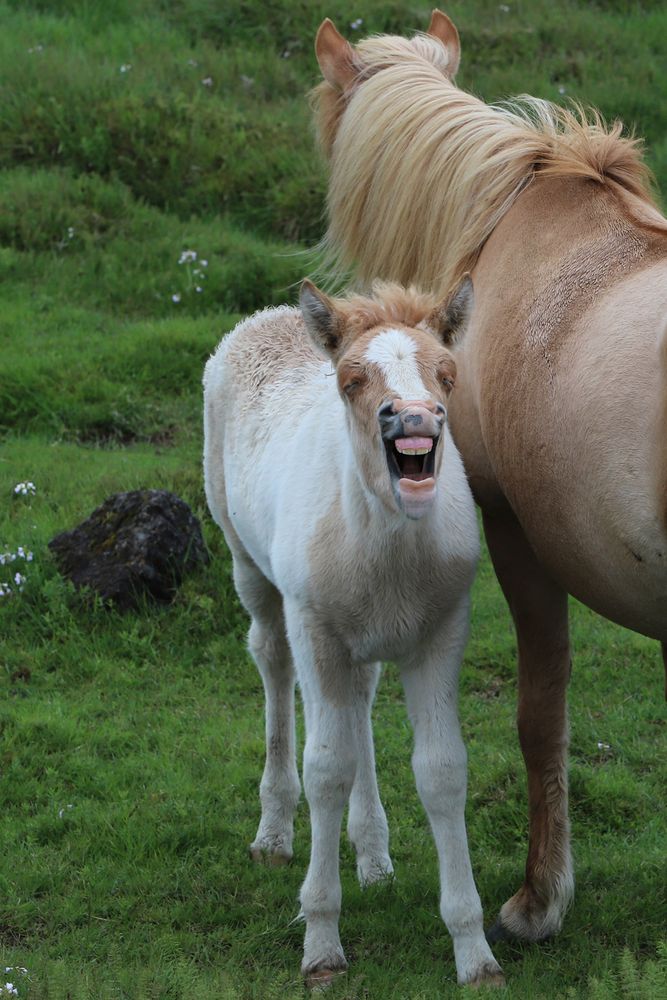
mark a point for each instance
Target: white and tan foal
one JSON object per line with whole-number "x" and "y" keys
{"x": 330, "y": 469}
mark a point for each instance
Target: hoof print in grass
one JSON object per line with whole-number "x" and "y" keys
{"x": 135, "y": 545}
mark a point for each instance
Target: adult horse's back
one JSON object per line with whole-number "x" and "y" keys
{"x": 560, "y": 410}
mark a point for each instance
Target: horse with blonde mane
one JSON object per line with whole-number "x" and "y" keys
{"x": 560, "y": 409}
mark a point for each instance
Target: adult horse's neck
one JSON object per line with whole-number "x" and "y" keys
{"x": 422, "y": 173}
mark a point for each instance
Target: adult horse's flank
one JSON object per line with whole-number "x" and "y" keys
{"x": 354, "y": 539}
{"x": 560, "y": 410}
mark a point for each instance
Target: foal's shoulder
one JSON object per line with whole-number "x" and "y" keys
{"x": 261, "y": 347}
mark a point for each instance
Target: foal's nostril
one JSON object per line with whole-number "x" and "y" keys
{"x": 386, "y": 410}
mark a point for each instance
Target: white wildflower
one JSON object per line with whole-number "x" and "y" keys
{"x": 604, "y": 746}
{"x": 562, "y": 89}
{"x": 70, "y": 232}
{"x": 126, "y": 67}
{"x": 198, "y": 288}
{"x": 355, "y": 25}
{"x": 36, "y": 48}
{"x": 187, "y": 257}
{"x": 192, "y": 62}
{"x": 61, "y": 812}
{"x": 176, "y": 297}
{"x": 505, "y": 9}
{"x": 204, "y": 263}
{"x": 25, "y": 489}
{"x": 208, "y": 81}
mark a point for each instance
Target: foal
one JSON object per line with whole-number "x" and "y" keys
{"x": 330, "y": 469}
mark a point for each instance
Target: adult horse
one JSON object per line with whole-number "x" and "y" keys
{"x": 560, "y": 411}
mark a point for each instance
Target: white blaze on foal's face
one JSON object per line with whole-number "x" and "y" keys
{"x": 395, "y": 353}
{"x": 411, "y": 414}
{"x": 394, "y": 379}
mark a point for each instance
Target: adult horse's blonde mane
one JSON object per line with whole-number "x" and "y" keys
{"x": 421, "y": 172}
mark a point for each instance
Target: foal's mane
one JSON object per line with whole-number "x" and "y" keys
{"x": 422, "y": 172}
{"x": 385, "y": 303}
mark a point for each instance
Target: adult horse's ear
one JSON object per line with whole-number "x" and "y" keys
{"x": 449, "y": 319}
{"x": 444, "y": 29}
{"x": 321, "y": 319}
{"x": 338, "y": 62}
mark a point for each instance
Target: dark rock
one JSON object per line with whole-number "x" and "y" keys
{"x": 135, "y": 544}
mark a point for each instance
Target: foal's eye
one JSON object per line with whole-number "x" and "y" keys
{"x": 350, "y": 386}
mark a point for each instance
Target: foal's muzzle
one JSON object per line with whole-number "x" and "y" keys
{"x": 411, "y": 431}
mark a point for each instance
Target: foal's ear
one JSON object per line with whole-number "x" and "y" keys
{"x": 338, "y": 62}
{"x": 444, "y": 29}
{"x": 322, "y": 320}
{"x": 449, "y": 319}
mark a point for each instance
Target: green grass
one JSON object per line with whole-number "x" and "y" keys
{"x": 150, "y": 725}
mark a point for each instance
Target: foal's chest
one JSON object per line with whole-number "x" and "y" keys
{"x": 380, "y": 604}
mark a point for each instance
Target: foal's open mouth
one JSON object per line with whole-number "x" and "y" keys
{"x": 411, "y": 458}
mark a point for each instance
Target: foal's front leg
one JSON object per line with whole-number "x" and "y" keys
{"x": 330, "y": 689}
{"x": 439, "y": 764}
{"x": 367, "y": 823}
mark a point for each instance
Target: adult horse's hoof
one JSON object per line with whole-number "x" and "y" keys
{"x": 497, "y": 933}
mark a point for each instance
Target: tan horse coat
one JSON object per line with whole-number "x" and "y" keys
{"x": 560, "y": 410}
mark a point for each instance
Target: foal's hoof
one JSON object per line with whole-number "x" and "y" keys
{"x": 321, "y": 979}
{"x": 371, "y": 871}
{"x": 274, "y": 858}
{"x": 490, "y": 975}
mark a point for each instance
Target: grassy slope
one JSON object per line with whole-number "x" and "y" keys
{"x": 150, "y": 726}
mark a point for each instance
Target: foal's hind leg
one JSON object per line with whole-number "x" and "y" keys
{"x": 367, "y": 823}
{"x": 279, "y": 788}
{"x": 539, "y": 610}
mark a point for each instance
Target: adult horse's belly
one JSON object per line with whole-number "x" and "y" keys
{"x": 575, "y": 429}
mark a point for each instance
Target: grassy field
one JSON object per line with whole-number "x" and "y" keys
{"x": 131, "y": 747}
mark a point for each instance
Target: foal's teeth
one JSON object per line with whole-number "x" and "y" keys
{"x": 413, "y": 445}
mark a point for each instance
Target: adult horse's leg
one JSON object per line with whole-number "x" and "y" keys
{"x": 430, "y": 680}
{"x": 279, "y": 788}
{"x": 367, "y": 822}
{"x": 539, "y": 610}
